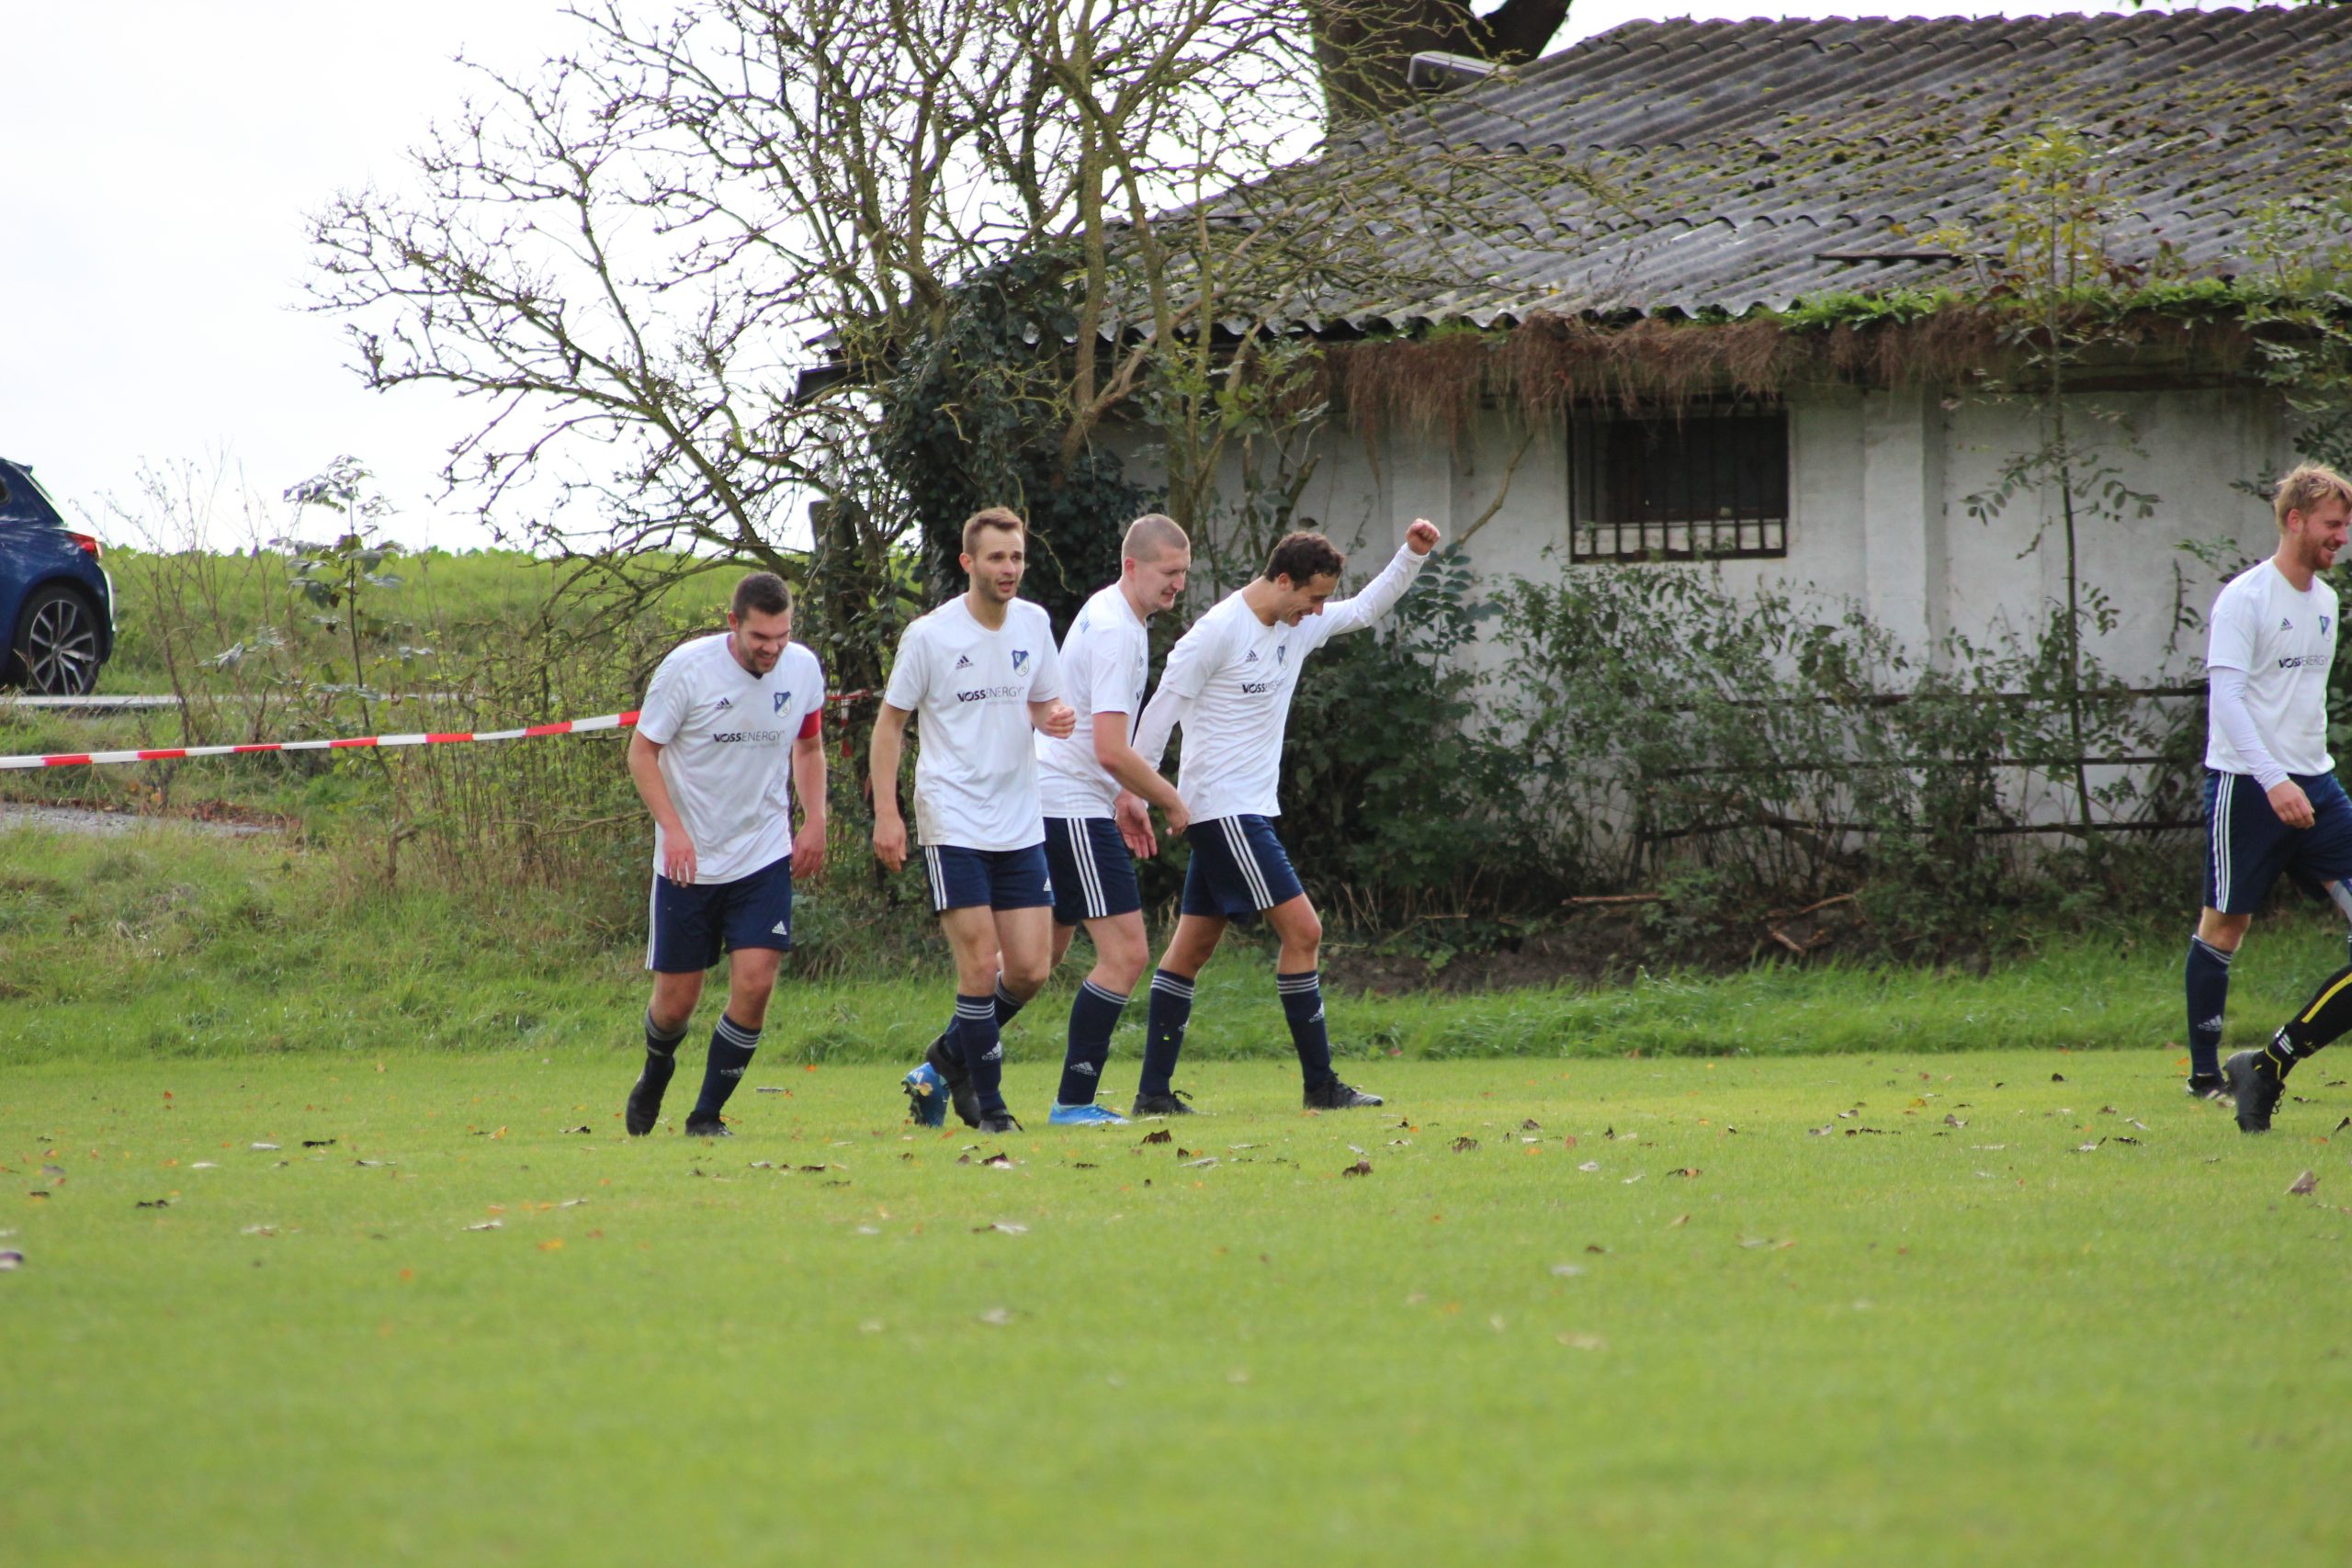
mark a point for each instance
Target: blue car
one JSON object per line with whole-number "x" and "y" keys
{"x": 56, "y": 602}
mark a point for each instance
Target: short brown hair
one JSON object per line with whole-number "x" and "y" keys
{"x": 764, "y": 592}
{"x": 992, "y": 517}
{"x": 1303, "y": 558}
{"x": 2305, "y": 486}
{"x": 1152, "y": 535}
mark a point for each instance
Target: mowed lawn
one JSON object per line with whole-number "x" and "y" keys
{"x": 1948, "y": 1308}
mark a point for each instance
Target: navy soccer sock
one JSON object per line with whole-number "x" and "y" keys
{"x": 1163, "y": 1034}
{"x": 1007, "y": 1009}
{"x": 1093, "y": 1013}
{"x": 731, "y": 1045}
{"x": 2209, "y": 998}
{"x": 1303, "y": 1005}
{"x": 661, "y": 1054}
{"x": 976, "y": 1041}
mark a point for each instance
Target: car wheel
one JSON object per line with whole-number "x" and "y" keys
{"x": 56, "y": 646}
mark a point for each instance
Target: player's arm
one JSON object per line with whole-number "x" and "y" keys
{"x": 2225, "y": 690}
{"x": 1180, "y": 685}
{"x": 809, "y": 784}
{"x": 1380, "y": 595}
{"x": 888, "y": 745}
{"x": 644, "y": 772}
{"x": 1124, "y": 763}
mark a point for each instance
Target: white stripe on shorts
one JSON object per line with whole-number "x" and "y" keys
{"x": 1251, "y": 872}
{"x": 938, "y": 879}
{"x": 2221, "y": 846}
{"x": 1090, "y": 873}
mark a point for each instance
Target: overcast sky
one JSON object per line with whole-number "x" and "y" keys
{"x": 157, "y": 160}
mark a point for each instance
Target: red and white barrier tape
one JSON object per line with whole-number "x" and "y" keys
{"x": 173, "y": 753}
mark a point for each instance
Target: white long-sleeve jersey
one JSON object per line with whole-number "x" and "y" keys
{"x": 1229, "y": 682}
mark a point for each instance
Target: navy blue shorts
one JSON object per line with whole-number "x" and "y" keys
{"x": 694, "y": 923}
{"x": 2248, "y": 846}
{"x": 1239, "y": 868}
{"x": 1092, "y": 870}
{"x": 994, "y": 879}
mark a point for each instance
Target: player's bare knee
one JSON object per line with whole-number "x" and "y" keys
{"x": 1025, "y": 978}
{"x": 2222, "y": 931}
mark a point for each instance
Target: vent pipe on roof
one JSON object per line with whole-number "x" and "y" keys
{"x": 1434, "y": 70}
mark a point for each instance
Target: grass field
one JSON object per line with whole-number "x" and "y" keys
{"x": 2024, "y": 1306}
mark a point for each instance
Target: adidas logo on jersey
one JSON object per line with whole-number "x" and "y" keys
{"x": 963, "y": 661}
{"x": 723, "y": 704}
{"x": 2285, "y": 624}
{"x": 1250, "y": 658}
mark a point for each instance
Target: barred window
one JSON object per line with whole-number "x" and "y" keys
{"x": 1708, "y": 481}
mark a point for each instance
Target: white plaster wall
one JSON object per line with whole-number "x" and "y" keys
{"x": 1879, "y": 483}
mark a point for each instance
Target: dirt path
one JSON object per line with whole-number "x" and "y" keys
{"x": 111, "y": 824}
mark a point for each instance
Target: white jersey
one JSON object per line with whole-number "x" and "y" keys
{"x": 726, "y": 736}
{"x": 1106, "y": 664}
{"x": 2285, "y": 641}
{"x": 970, "y": 689}
{"x": 1229, "y": 681}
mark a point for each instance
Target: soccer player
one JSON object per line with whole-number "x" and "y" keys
{"x": 1229, "y": 682}
{"x": 1094, "y": 788}
{"x": 709, "y": 758}
{"x": 982, "y": 672}
{"x": 2272, "y": 801}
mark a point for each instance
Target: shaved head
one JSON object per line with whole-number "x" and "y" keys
{"x": 1151, "y": 536}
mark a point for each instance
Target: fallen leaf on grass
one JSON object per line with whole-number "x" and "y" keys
{"x": 318, "y": 1143}
{"x": 763, "y": 1165}
{"x": 214, "y": 1165}
{"x": 1002, "y": 1227}
{"x": 1200, "y": 1164}
{"x": 1084, "y": 1165}
{"x": 2341, "y": 1125}
{"x": 2307, "y": 1182}
{"x": 374, "y": 1164}
{"x": 1583, "y": 1341}
{"x": 155, "y": 1203}
{"x": 488, "y": 1226}
{"x": 1821, "y": 1132}
{"x": 1531, "y": 1126}
{"x": 999, "y": 1161}
{"x": 2057, "y": 1077}
{"x": 1636, "y": 1176}
{"x": 1589, "y": 1165}
{"x": 571, "y": 1202}
{"x": 997, "y": 1315}
{"x": 1161, "y": 1137}
{"x": 258, "y": 1230}
{"x": 1950, "y": 1120}
{"x": 2086, "y": 1148}
{"x": 1362, "y": 1167}
{"x": 552, "y": 1244}
{"x": 265, "y": 1148}
{"x": 1678, "y": 1220}
{"x": 11, "y": 1258}
{"x": 1464, "y": 1144}
{"x": 1566, "y": 1270}
{"x": 583, "y": 1127}
{"x": 814, "y": 1169}
{"x": 1684, "y": 1170}
{"x": 770, "y": 1089}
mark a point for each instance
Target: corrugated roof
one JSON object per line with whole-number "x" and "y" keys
{"x": 1681, "y": 166}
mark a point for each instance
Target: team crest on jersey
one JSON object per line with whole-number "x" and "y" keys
{"x": 1020, "y": 659}
{"x": 783, "y": 699}
{"x": 1282, "y": 654}
{"x": 2323, "y": 625}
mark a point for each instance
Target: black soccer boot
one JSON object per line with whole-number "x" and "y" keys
{"x": 1333, "y": 1094}
{"x": 1168, "y": 1104}
{"x": 2256, "y": 1083}
{"x": 643, "y": 1111}
{"x": 949, "y": 1065}
{"x": 708, "y": 1127}
{"x": 996, "y": 1121}
{"x": 2208, "y": 1086}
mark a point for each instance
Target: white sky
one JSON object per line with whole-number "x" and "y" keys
{"x": 156, "y": 160}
